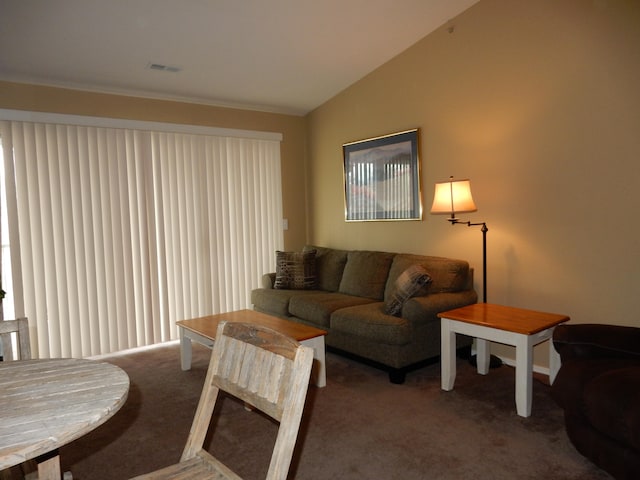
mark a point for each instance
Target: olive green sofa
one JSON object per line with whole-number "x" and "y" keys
{"x": 348, "y": 293}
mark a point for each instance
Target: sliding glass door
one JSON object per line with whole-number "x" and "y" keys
{"x": 116, "y": 233}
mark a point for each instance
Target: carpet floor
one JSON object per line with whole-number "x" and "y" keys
{"x": 359, "y": 427}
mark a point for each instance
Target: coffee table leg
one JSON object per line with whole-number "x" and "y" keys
{"x": 185, "y": 350}
{"x": 524, "y": 375}
{"x": 447, "y": 354}
{"x": 319, "y": 372}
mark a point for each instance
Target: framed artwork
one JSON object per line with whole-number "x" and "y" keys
{"x": 382, "y": 178}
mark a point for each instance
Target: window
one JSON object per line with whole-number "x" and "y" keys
{"x": 8, "y": 309}
{"x": 118, "y": 231}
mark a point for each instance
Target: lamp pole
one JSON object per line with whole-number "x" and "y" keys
{"x": 484, "y": 231}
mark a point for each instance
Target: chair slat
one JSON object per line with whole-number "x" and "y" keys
{"x": 20, "y": 328}
{"x": 248, "y": 363}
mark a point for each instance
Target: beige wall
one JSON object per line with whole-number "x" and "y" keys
{"x": 58, "y": 100}
{"x": 538, "y": 103}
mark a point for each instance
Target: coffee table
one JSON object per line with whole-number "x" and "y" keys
{"x": 517, "y": 327}
{"x": 203, "y": 331}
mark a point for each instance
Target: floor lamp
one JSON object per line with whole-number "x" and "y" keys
{"x": 452, "y": 197}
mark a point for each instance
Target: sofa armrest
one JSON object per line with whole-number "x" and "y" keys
{"x": 596, "y": 341}
{"x": 427, "y": 307}
{"x": 268, "y": 280}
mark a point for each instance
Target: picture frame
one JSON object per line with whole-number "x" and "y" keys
{"x": 382, "y": 178}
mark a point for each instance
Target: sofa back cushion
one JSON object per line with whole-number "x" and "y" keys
{"x": 365, "y": 274}
{"x": 447, "y": 274}
{"x": 329, "y": 267}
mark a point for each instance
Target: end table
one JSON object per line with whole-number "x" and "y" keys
{"x": 517, "y": 327}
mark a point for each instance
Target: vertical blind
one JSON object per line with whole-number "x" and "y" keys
{"x": 117, "y": 233}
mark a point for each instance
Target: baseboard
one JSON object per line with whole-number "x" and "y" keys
{"x": 512, "y": 363}
{"x": 536, "y": 368}
{"x": 133, "y": 350}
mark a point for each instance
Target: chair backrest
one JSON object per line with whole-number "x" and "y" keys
{"x": 264, "y": 369}
{"x": 9, "y": 328}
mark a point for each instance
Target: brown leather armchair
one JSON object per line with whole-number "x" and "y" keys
{"x": 598, "y": 386}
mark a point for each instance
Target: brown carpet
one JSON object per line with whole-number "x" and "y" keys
{"x": 359, "y": 427}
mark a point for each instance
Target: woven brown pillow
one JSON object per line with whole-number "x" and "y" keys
{"x": 295, "y": 270}
{"x": 409, "y": 283}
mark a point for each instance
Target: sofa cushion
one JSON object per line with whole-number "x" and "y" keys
{"x": 276, "y": 302}
{"x": 317, "y": 309}
{"x": 447, "y": 274}
{"x": 611, "y": 404}
{"x": 370, "y": 322}
{"x": 329, "y": 267}
{"x": 413, "y": 281}
{"x": 365, "y": 274}
{"x": 295, "y": 270}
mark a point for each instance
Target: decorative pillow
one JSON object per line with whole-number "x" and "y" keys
{"x": 409, "y": 283}
{"x": 295, "y": 270}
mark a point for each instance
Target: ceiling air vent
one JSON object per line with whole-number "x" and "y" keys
{"x": 163, "y": 68}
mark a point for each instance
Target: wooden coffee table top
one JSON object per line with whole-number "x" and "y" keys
{"x": 207, "y": 326}
{"x": 511, "y": 319}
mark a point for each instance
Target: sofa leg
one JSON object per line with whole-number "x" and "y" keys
{"x": 397, "y": 375}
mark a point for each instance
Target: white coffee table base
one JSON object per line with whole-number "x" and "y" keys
{"x": 524, "y": 356}
{"x": 318, "y": 374}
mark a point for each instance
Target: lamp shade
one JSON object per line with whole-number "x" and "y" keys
{"x": 453, "y": 197}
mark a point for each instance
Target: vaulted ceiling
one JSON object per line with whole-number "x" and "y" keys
{"x": 285, "y": 56}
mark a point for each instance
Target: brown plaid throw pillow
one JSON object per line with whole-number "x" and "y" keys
{"x": 409, "y": 283}
{"x": 295, "y": 270}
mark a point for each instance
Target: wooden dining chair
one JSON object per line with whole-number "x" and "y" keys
{"x": 267, "y": 371}
{"x": 19, "y": 327}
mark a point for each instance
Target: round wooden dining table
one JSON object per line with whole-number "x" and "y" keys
{"x": 45, "y": 404}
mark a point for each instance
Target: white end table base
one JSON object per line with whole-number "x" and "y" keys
{"x": 318, "y": 374}
{"x": 524, "y": 356}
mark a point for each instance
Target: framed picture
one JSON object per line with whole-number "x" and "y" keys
{"x": 382, "y": 178}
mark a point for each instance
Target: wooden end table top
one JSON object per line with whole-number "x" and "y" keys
{"x": 208, "y": 325}
{"x": 512, "y": 319}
